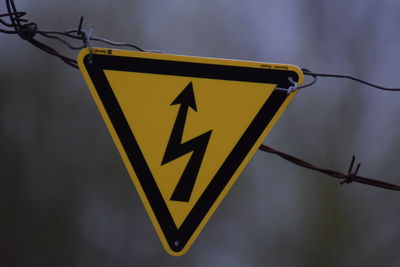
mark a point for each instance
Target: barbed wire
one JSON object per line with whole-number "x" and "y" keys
{"x": 347, "y": 178}
{"x": 28, "y": 30}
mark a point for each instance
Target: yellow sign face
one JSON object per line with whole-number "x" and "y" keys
{"x": 185, "y": 127}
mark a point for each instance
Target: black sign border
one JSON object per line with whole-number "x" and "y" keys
{"x": 177, "y": 238}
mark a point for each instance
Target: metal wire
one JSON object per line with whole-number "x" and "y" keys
{"x": 346, "y": 178}
{"x": 28, "y": 31}
{"x": 315, "y": 78}
{"x": 345, "y": 76}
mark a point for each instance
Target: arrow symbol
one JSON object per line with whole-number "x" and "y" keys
{"x": 176, "y": 149}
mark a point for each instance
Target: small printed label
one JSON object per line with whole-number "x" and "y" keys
{"x": 266, "y": 66}
{"x": 281, "y": 67}
{"x": 275, "y": 67}
{"x": 103, "y": 51}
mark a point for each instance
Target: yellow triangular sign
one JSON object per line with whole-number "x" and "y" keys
{"x": 185, "y": 127}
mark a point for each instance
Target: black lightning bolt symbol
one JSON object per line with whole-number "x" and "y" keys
{"x": 176, "y": 148}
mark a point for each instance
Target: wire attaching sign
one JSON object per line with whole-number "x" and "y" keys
{"x": 185, "y": 127}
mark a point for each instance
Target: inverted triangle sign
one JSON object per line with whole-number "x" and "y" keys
{"x": 185, "y": 127}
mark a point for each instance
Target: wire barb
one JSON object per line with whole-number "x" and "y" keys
{"x": 351, "y": 175}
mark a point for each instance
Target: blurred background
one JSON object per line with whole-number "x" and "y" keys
{"x": 67, "y": 200}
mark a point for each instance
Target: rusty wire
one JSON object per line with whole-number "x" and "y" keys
{"x": 347, "y": 178}
{"x": 29, "y": 30}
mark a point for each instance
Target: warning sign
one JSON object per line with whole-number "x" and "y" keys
{"x": 185, "y": 127}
